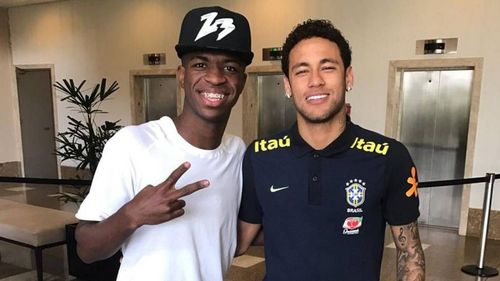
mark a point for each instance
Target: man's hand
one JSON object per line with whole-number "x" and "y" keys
{"x": 161, "y": 203}
{"x": 152, "y": 205}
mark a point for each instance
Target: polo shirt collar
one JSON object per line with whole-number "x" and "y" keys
{"x": 300, "y": 147}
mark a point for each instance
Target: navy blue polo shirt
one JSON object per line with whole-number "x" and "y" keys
{"x": 324, "y": 212}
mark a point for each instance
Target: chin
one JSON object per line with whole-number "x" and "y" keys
{"x": 216, "y": 118}
{"x": 319, "y": 118}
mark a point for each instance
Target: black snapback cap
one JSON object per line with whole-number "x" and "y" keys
{"x": 218, "y": 29}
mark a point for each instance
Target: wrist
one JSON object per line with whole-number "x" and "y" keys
{"x": 129, "y": 219}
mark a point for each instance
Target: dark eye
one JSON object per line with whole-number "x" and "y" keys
{"x": 234, "y": 68}
{"x": 230, "y": 68}
{"x": 199, "y": 65}
{"x": 328, "y": 68}
{"x": 301, "y": 72}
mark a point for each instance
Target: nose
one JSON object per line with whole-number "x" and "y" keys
{"x": 215, "y": 75}
{"x": 315, "y": 79}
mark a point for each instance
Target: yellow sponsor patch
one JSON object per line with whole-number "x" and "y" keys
{"x": 271, "y": 144}
{"x": 370, "y": 146}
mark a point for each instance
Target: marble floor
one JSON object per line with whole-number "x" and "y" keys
{"x": 445, "y": 251}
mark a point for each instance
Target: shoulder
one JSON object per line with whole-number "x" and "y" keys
{"x": 233, "y": 144}
{"x": 370, "y": 141}
{"x": 274, "y": 143}
{"x": 137, "y": 136}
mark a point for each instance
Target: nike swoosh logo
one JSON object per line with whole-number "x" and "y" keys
{"x": 273, "y": 189}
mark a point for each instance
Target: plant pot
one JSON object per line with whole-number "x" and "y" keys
{"x": 105, "y": 270}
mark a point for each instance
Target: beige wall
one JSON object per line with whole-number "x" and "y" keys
{"x": 95, "y": 38}
{"x": 9, "y": 148}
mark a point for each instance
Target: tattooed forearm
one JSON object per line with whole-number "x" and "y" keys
{"x": 410, "y": 255}
{"x": 401, "y": 237}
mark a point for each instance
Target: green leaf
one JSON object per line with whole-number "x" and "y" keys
{"x": 84, "y": 139}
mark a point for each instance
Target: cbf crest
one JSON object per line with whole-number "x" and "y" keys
{"x": 355, "y": 192}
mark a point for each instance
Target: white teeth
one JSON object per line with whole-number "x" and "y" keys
{"x": 316, "y": 97}
{"x": 213, "y": 96}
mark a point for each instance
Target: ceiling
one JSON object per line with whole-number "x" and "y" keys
{"x": 15, "y": 3}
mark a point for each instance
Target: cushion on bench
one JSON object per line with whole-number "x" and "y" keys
{"x": 33, "y": 225}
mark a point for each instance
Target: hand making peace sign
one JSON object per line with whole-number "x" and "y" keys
{"x": 161, "y": 203}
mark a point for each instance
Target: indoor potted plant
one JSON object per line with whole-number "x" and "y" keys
{"x": 84, "y": 140}
{"x": 83, "y": 143}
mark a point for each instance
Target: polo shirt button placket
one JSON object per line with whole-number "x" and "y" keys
{"x": 314, "y": 189}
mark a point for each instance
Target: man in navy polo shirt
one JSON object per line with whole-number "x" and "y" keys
{"x": 323, "y": 190}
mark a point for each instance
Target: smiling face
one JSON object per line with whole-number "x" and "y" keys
{"x": 317, "y": 80}
{"x": 212, "y": 83}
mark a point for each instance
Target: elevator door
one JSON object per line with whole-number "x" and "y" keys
{"x": 434, "y": 125}
{"x": 160, "y": 93}
{"x": 276, "y": 111}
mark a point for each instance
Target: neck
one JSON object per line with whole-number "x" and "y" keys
{"x": 204, "y": 135}
{"x": 320, "y": 135}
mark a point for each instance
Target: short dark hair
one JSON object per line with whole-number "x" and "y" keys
{"x": 315, "y": 28}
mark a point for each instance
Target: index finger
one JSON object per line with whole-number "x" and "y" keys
{"x": 190, "y": 188}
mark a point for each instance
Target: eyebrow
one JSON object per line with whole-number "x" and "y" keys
{"x": 329, "y": 60}
{"x": 323, "y": 61}
{"x": 229, "y": 59}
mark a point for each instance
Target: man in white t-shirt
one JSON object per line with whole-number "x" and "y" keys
{"x": 167, "y": 192}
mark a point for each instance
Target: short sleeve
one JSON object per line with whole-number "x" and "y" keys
{"x": 112, "y": 184}
{"x": 250, "y": 209}
{"x": 401, "y": 201}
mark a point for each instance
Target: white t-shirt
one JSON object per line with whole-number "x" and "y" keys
{"x": 196, "y": 246}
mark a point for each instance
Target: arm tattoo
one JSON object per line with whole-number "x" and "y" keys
{"x": 410, "y": 255}
{"x": 401, "y": 237}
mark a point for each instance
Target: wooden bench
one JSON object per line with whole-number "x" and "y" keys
{"x": 33, "y": 227}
